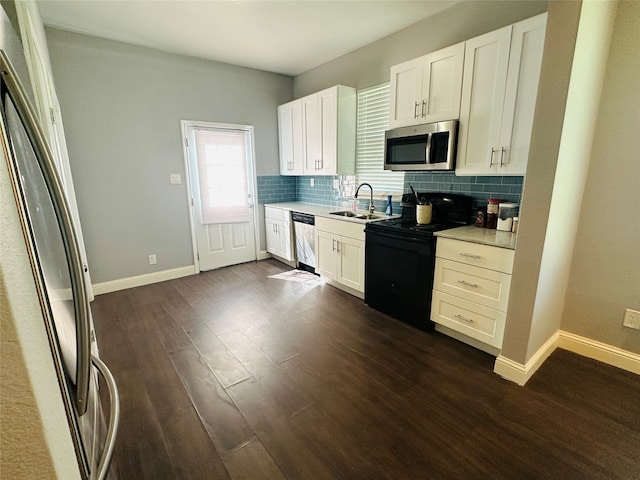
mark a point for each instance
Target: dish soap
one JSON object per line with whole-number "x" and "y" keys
{"x": 389, "y": 207}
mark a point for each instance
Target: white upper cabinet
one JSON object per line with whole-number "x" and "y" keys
{"x": 290, "y": 130}
{"x": 427, "y": 89}
{"x": 318, "y": 133}
{"x": 499, "y": 89}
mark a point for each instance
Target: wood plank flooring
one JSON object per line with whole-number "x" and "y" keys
{"x": 231, "y": 374}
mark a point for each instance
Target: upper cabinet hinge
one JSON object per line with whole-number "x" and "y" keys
{"x": 186, "y": 142}
{"x": 52, "y": 112}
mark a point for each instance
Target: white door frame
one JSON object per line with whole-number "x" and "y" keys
{"x": 251, "y": 174}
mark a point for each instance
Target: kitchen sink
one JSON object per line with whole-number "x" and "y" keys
{"x": 357, "y": 215}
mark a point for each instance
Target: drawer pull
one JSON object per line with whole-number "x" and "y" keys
{"x": 470, "y": 255}
{"x": 465, "y": 319}
{"x": 467, "y": 284}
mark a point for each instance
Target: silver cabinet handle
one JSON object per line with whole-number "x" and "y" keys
{"x": 493, "y": 150}
{"x": 68, "y": 233}
{"x": 424, "y": 108}
{"x": 114, "y": 420}
{"x": 334, "y": 245}
{"x": 415, "y": 110}
{"x": 464, "y": 319}
{"x": 470, "y": 255}
{"x": 502, "y": 150}
{"x": 467, "y": 284}
{"x": 338, "y": 246}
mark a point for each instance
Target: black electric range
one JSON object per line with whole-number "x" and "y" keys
{"x": 400, "y": 256}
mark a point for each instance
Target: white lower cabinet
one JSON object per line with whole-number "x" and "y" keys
{"x": 471, "y": 289}
{"x": 340, "y": 254}
{"x": 278, "y": 232}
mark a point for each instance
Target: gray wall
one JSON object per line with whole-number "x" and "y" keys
{"x": 605, "y": 272}
{"x": 122, "y": 107}
{"x": 370, "y": 65}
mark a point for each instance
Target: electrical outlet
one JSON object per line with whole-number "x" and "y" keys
{"x": 312, "y": 181}
{"x": 631, "y": 319}
{"x": 152, "y": 259}
{"x": 175, "y": 179}
{"x": 336, "y": 184}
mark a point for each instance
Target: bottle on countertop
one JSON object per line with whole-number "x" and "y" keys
{"x": 492, "y": 212}
{"x": 481, "y": 217}
{"x": 389, "y": 206}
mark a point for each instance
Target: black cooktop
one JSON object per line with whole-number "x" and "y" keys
{"x": 449, "y": 210}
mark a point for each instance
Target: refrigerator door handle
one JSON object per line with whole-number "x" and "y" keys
{"x": 114, "y": 419}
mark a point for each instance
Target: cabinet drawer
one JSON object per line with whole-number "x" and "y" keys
{"x": 275, "y": 213}
{"x": 480, "y": 285}
{"x": 475, "y": 321}
{"x": 341, "y": 227}
{"x": 486, "y": 256}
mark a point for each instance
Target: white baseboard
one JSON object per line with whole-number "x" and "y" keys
{"x": 600, "y": 351}
{"x": 263, "y": 255}
{"x": 520, "y": 374}
{"x": 139, "y": 280}
{"x": 586, "y": 347}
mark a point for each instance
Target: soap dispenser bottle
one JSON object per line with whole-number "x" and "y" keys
{"x": 389, "y": 207}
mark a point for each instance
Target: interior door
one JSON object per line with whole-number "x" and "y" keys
{"x": 222, "y": 187}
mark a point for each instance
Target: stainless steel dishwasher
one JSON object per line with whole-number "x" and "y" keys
{"x": 304, "y": 228}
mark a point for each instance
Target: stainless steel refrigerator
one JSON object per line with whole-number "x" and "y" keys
{"x": 57, "y": 269}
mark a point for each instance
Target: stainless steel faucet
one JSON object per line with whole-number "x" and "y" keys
{"x": 371, "y": 207}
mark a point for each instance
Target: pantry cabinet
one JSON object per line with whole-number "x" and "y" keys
{"x": 317, "y": 133}
{"x": 427, "y": 89}
{"x": 340, "y": 254}
{"x": 279, "y": 234}
{"x": 471, "y": 289}
{"x": 499, "y": 90}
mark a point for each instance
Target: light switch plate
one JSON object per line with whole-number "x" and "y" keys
{"x": 175, "y": 178}
{"x": 631, "y": 319}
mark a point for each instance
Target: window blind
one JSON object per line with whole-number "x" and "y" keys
{"x": 223, "y": 175}
{"x": 372, "y": 121}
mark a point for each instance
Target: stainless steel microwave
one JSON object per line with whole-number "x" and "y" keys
{"x": 430, "y": 146}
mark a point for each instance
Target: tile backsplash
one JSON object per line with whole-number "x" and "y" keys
{"x": 338, "y": 190}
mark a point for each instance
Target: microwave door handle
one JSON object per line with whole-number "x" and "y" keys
{"x": 428, "y": 152}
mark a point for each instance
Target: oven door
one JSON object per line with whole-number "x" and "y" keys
{"x": 399, "y": 276}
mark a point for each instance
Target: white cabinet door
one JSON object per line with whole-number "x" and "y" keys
{"x": 442, "y": 84}
{"x": 273, "y": 239}
{"x": 328, "y": 102}
{"x": 406, "y": 93}
{"x": 312, "y": 120}
{"x": 326, "y": 264}
{"x": 499, "y": 92}
{"x": 483, "y": 86}
{"x": 290, "y": 135}
{"x": 525, "y": 60}
{"x": 284, "y": 240}
{"x": 351, "y": 263}
{"x": 428, "y": 88}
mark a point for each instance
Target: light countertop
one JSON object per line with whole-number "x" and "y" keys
{"x": 485, "y": 236}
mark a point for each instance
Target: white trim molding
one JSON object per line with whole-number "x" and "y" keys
{"x": 600, "y": 351}
{"x": 520, "y": 374}
{"x": 614, "y": 356}
{"x": 140, "y": 280}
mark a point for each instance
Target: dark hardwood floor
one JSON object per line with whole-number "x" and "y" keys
{"x": 232, "y": 374}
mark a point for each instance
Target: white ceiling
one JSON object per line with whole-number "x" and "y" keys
{"x": 288, "y": 37}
